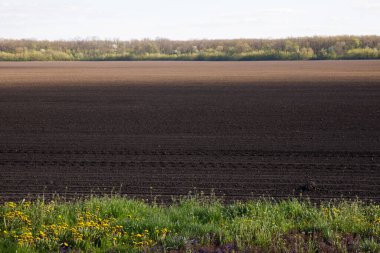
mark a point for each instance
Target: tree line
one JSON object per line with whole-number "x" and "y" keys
{"x": 303, "y": 48}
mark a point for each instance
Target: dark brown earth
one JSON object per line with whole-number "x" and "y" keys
{"x": 243, "y": 129}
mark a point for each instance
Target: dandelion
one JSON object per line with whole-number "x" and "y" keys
{"x": 336, "y": 211}
{"x": 26, "y": 204}
{"x": 11, "y": 204}
{"x": 42, "y": 234}
{"x": 25, "y": 238}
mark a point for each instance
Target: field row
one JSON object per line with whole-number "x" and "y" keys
{"x": 171, "y": 178}
{"x": 193, "y": 153}
{"x": 220, "y": 166}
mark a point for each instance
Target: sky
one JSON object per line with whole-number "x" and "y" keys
{"x": 196, "y": 19}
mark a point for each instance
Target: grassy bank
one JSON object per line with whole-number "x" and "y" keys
{"x": 192, "y": 224}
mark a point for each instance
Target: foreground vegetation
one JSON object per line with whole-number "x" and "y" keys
{"x": 192, "y": 224}
{"x": 307, "y": 48}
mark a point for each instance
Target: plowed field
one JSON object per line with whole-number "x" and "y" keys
{"x": 146, "y": 129}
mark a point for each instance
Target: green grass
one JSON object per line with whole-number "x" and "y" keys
{"x": 117, "y": 224}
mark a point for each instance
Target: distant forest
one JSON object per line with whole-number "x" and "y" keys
{"x": 305, "y": 48}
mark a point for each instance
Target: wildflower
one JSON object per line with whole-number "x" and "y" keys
{"x": 42, "y": 234}
{"x": 11, "y": 204}
{"x": 336, "y": 211}
{"x": 25, "y": 238}
{"x": 26, "y": 204}
{"x": 65, "y": 244}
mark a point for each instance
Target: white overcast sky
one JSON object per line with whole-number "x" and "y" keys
{"x": 196, "y": 19}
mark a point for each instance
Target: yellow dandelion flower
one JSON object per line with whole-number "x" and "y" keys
{"x": 26, "y": 204}
{"x": 11, "y": 204}
{"x": 42, "y": 234}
